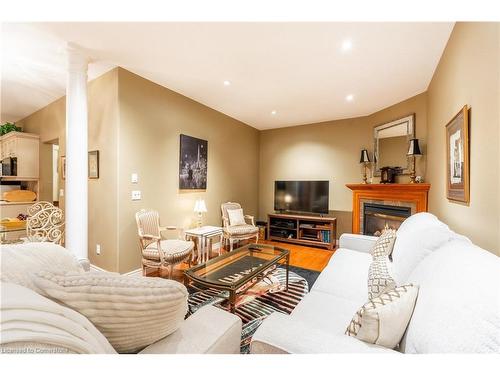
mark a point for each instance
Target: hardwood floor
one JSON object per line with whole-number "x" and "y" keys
{"x": 310, "y": 258}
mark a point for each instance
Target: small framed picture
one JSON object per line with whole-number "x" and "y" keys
{"x": 457, "y": 160}
{"x": 93, "y": 164}
{"x": 62, "y": 167}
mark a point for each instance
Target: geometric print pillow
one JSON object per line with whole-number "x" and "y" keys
{"x": 383, "y": 320}
{"x": 385, "y": 243}
{"x": 379, "y": 278}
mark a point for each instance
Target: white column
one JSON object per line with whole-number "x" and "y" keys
{"x": 76, "y": 153}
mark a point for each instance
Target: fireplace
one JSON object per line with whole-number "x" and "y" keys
{"x": 409, "y": 197}
{"x": 377, "y": 216}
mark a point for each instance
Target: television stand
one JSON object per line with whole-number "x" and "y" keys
{"x": 307, "y": 230}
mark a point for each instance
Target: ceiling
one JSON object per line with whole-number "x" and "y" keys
{"x": 280, "y": 74}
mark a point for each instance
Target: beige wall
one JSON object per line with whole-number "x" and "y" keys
{"x": 50, "y": 124}
{"x": 151, "y": 121}
{"x": 135, "y": 124}
{"x": 329, "y": 151}
{"x": 468, "y": 73}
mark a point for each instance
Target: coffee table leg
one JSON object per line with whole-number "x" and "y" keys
{"x": 287, "y": 270}
{"x": 232, "y": 301}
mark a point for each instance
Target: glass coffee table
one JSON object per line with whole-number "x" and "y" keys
{"x": 238, "y": 270}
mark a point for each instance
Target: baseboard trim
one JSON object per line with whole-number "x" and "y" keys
{"x": 137, "y": 272}
{"x": 93, "y": 267}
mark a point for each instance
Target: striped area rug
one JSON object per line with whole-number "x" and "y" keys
{"x": 254, "y": 312}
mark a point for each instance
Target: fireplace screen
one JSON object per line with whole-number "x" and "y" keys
{"x": 378, "y": 216}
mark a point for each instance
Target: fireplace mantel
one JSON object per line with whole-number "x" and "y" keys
{"x": 413, "y": 194}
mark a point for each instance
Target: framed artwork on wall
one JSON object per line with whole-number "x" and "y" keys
{"x": 193, "y": 163}
{"x": 93, "y": 162}
{"x": 457, "y": 157}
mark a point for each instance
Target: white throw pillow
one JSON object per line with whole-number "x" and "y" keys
{"x": 383, "y": 320}
{"x": 21, "y": 261}
{"x": 379, "y": 277}
{"x": 132, "y": 312}
{"x": 385, "y": 243}
{"x": 32, "y": 322}
{"x": 236, "y": 217}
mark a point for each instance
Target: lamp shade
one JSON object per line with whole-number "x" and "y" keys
{"x": 364, "y": 156}
{"x": 200, "y": 206}
{"x": 414, "y": 148}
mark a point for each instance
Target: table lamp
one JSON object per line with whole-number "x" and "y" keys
{"x": 413, "y": 152}
{"x": 365, "y": 160}
{"x": 200, "y": 208}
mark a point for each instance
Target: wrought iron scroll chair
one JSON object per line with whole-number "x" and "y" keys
{"x": 156, "y": 251}
{"x": 45, "y": 223}
{"x": 235, "y": 233}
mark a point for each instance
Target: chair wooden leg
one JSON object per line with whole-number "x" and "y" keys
{"x": 143, "y": 270}
{"x": 171, "y": 272}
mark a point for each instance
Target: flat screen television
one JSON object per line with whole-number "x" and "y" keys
{"x": 301, "y": 196}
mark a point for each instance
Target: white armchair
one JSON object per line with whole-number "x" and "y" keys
{"x": 158, "y": 252}
{"x": 235, "y": 233}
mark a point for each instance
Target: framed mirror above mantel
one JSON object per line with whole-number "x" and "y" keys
{"x": 390, "y": 144}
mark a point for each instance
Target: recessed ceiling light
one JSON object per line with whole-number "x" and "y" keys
{"x": 349, "y": 98}
{"x": 227, "y": 83}
{"x": 273, "y": 112}
{"x": 346, "y": 45}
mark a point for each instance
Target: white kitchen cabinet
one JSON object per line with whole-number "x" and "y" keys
{"x": 24, "y": 147}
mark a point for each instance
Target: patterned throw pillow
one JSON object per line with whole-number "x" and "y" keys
{"x": 383, "y": 320}
{"x": 132, "y": 312}
{"x": 385, "y": 243}
{"x": 379, "y": 278}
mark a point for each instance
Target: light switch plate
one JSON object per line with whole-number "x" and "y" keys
{"x": 136, "y": 195}
{"x": 61, "y": 192}
{"x": 134, "y": 178}
{"x": 98, "y": 249}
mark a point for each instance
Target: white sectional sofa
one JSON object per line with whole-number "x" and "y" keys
{"x": 457, "y": 310}
{"x": 33, "y": 323}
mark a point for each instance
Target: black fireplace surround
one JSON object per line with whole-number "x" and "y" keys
{"x": 377, "y": 216}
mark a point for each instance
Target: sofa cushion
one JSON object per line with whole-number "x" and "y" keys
{"x": 345, "y": 276}
{"x": 132, "y": 312}
{"x": 195, "y": 336}
{"x": 385, "y": 243}
{"x": 383, "y": 320}
{"x": 418, "y": 236}
{"x": 21, "y": 261}
{"x": 34, "y": 324}
{"x": 241, "y": 230}
{"x": 379, "y": 278}
{"x": 458, "y": 306}
{"x": 325, "y": 312}
{"x": 174, "y": 251}
{"x": 278, "y": 334}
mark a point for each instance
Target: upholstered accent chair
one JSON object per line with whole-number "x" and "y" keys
{"x": 158, "y": 252}
{"x": 236, "y": 233}
{"x": 45, "y": 223}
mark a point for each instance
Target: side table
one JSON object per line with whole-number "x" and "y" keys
{"x": 204, "y": 236}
